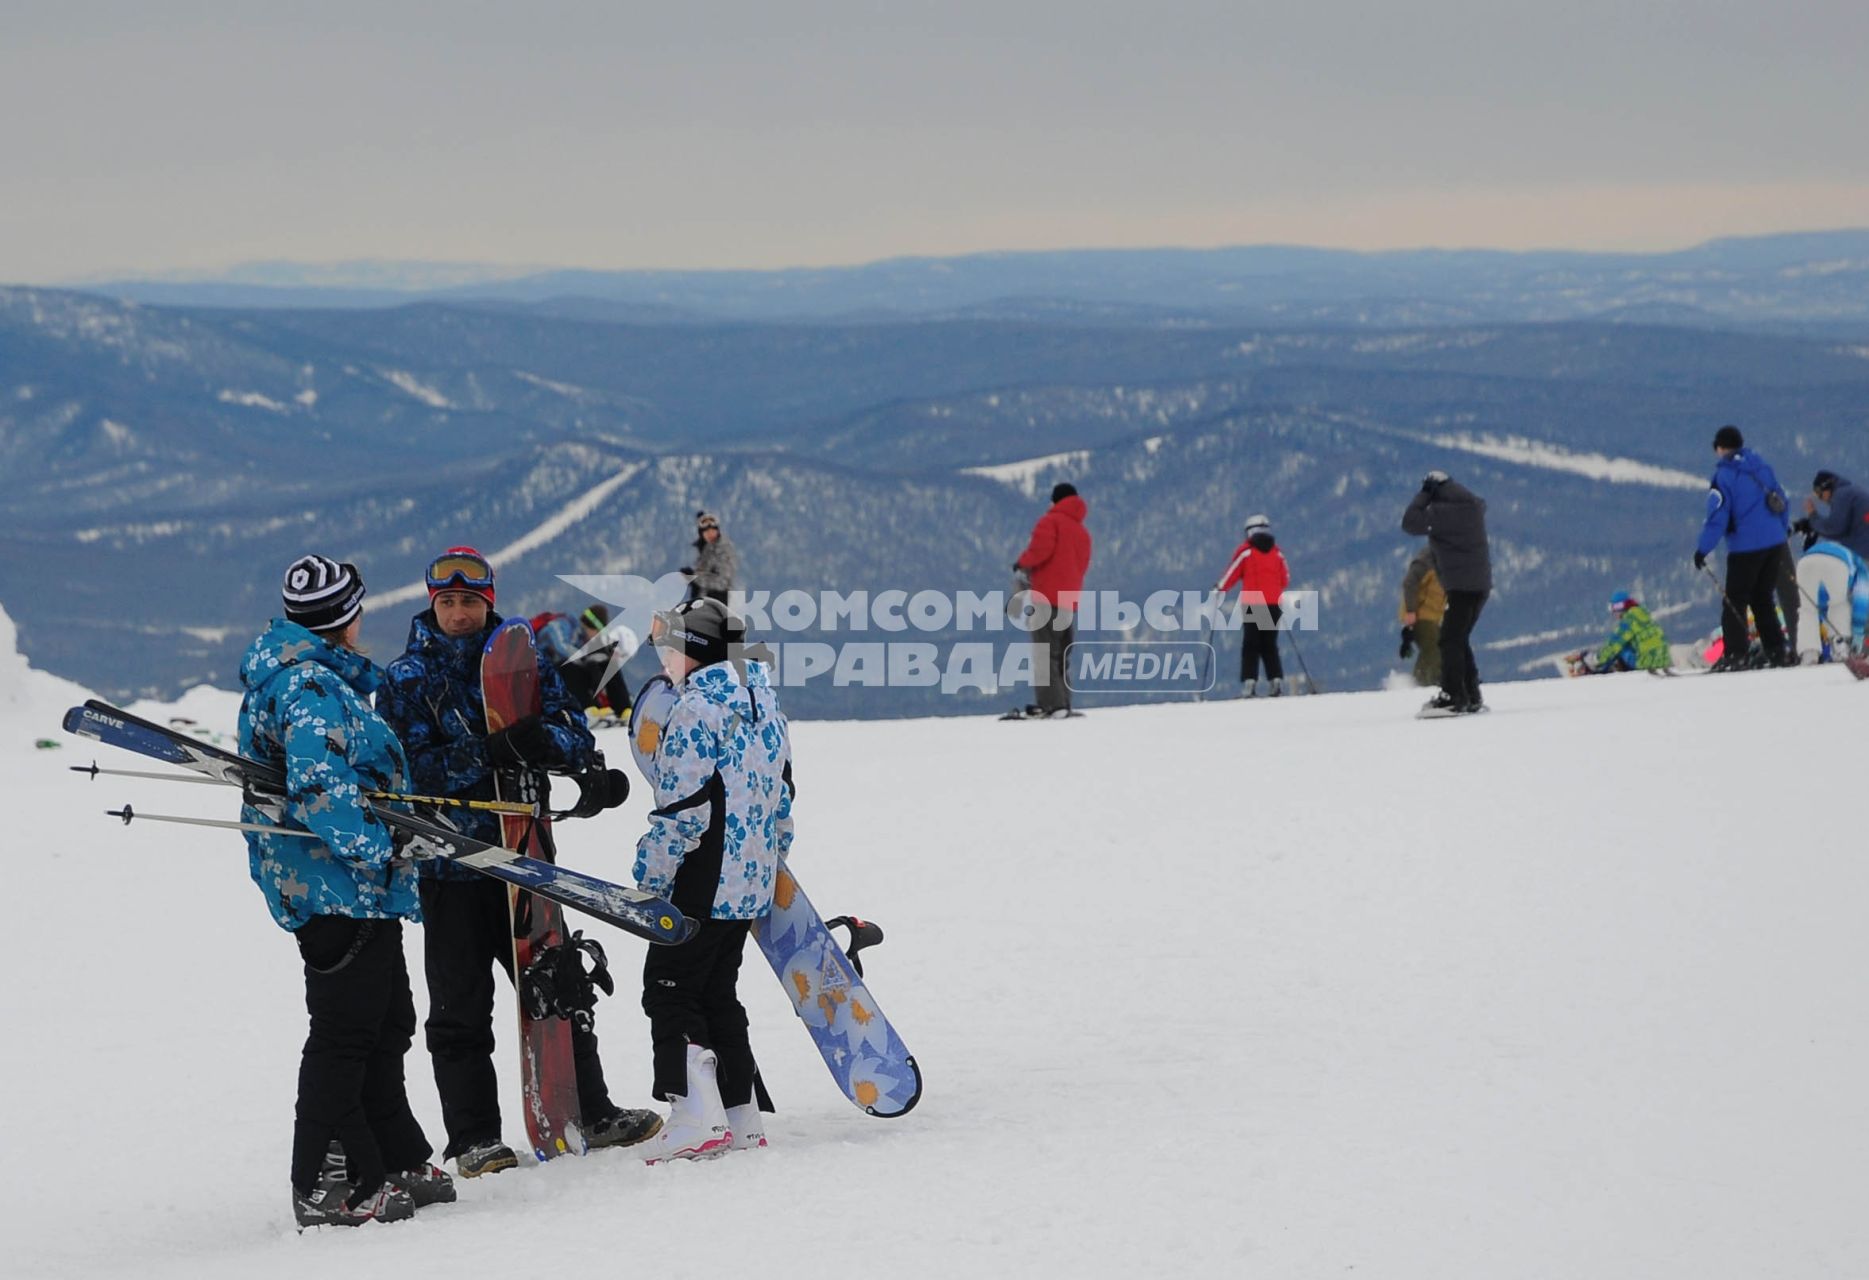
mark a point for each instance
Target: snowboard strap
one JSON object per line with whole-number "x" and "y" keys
{"x": 863, "y": 933}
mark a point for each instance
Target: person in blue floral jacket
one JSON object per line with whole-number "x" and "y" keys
{"x": 331, "y": 876}
{"x": 431, "y": 698}
{"x": 721, "y": 823}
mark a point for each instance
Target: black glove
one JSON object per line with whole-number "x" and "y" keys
{"x": 527, "y": 745}
{"x": 1700, "y": 559}
{"x": 1408, "y": 642}
{"x": 686, "y": 571}
{"x": 1801, "y": 526}
{"x": 599, "y": 789}
{"x": 1810, "y": 540}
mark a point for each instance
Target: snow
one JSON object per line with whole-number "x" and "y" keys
{"x": 1024, "y": 475}
{"x": 410, "y": 385}
{"x": 251, "y": 400}
{"x": 566, "y": 516}
{"x": 1596, "y": 466}
{"x": 1569, "y": 990}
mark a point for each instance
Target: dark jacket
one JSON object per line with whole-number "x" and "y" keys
{"x": 1847, "y": 518}
{"x": 1453, "y": 518}
{"x": 1058, "y": 555}
{"x": 431, "y": 698}
{"x": 1739, "y": 505}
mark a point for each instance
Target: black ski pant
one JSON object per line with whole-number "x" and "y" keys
{"x": 1460, "y": 675}
{"x": 1053, "y": 643}
{"x": 691, "y": 995}
{"x": 1752, "y": 582}
{"x": 350, "y": 1076}
{"x": 1785, "y": 577}
{"x": 467, "y": 929}
{"x": 1259, "y": 643}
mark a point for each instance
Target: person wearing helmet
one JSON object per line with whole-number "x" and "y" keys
{"x": 1258, "y": 568}
{"x": 1639, "y": 644}
{"x": 721, "y": 823}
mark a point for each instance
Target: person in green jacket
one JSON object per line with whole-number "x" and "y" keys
{"x": 1638, "y": 645}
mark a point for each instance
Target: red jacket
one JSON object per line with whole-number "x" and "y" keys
{"x": 1058, "y": 556}
{"x": 1262, "y": 575}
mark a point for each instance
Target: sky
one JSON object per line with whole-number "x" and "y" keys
{"x": 194, "y": 135}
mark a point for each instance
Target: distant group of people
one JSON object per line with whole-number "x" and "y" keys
{"x": 342, "y": 730}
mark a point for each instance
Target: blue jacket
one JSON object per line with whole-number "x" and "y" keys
{"x": 431, "y": 698}
{"x": 1858, "y": 582}
{"x": 1845, "y": 518}
{"x": 1737, "y": 507}
{"x": 307, "y": 710}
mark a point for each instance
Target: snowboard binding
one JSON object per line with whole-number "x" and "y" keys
{"x": 557, "y": 985}
{"x": 863, "y": 933}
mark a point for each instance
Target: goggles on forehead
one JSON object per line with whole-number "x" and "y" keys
{"x": 709, "y": 523}
{"x": 459, "y": 569}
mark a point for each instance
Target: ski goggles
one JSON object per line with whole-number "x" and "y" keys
{"x": 669, "y": 628}
{"x": 460, "y": 569}
{"x": 706, "y": 523}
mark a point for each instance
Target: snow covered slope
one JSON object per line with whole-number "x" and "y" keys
{"x": 1279, "y": 989}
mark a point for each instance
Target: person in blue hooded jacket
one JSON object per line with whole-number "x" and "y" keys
{"x": 332, "y": 877}
{"x": 431, "y": 698}
{"x": 1748, "y": 508}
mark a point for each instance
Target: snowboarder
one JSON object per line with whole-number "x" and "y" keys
{"x": 433, "y": 701}
{"x": 1423, "y": 605}
{"x": 1056, "y": 559}
{"x": 358, "y": 1152}
{"x": 1746, "y": 506}
{"x": 1639, "y": 644}
{"x": 716, "y": 564}
{"x": 1453, "y": 518}
{"x": 1259, "y": 568}
{"x": 722, "y": 822}
{"x": 585, "y": 668}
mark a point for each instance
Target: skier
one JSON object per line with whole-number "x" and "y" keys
{"x": 721, "y": 823}
{"x": 1423, "y": 604}
{"x": 358, "y": 1153}
{"x": 1055, "y": 560}
{"x": 1837, "y": 581}
{"x": 432, "y": 699}
{"x": 1639, "y": 644}
{"x": 1453, "y": 518}
{"x": 1259, "y": 567}
{"x": 716, "y": 564}
{"x": 593, "y": 675}
{"x": 1746, "y": 506}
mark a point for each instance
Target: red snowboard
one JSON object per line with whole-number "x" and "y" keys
{"x": 509, "y": 682}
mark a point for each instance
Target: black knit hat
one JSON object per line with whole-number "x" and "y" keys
{"x": 322, "y": 595}
{"x": 1728, "y": 437}
{"x": 1826, "y": 479}
{"x": 1062, "y": 490}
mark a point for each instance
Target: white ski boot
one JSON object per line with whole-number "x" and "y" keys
{"x": 697, "y": 1122}
{"x": 746, "y": 1126}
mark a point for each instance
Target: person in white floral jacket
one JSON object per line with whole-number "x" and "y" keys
{"x": 722, "y": 820}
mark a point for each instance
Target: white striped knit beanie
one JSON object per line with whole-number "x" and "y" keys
{"x": 322, "y": 595}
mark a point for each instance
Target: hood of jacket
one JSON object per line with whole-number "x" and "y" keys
{"x": 1072, "y": 508}
{"x": 284, "y": 645}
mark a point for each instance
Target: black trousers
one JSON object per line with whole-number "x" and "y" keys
{"x": 467, "y": 929}
{"x": 350, "y": 1075}
{"x": 691, "y": 994}
{"x": 1052, "y": 643}
{"x": 1752, "y": 583}
{"x": 1259, "y": 643}
{"x": 1785, "y": 571}
{"x": 1460, "y": 675}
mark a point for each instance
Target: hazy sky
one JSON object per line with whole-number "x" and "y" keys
{"x": 154, "y": 136}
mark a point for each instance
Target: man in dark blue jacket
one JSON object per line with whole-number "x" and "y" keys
{"x": 1837, "y": 510}
{"x": 1747, "y": 507}
{"x": 1453, "y": 519}
{"x": 432, "y": 700}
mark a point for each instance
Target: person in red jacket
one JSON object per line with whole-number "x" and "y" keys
{"x": 1258, "y": 568}
{"x": 1056, "y": 560}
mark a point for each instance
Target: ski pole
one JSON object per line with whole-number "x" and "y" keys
{"x": 1309, "y": 682}
{"x": 514, "y": 807}
{"x": 127, "y": 813}
{"x": 1207, "y": 665}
